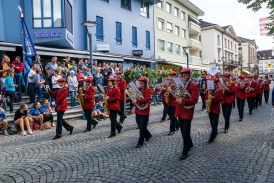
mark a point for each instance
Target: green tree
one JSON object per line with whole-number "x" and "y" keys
{"x": 256, "y": 5}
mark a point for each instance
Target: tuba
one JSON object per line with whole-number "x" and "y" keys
{"x": 177, "y": 89}
{"x": 80, "y": 98}
{"x": 167, "y": 97}
{"x": 134, "y": 93}
{"x": 208, "y": 102}
{"x": 104, "y": 103}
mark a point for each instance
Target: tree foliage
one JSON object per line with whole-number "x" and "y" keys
{"x": 256, "y": 5}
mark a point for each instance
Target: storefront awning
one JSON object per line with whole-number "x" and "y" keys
{"x": 5, "y": 46}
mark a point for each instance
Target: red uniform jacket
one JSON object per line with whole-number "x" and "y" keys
{"x": 122, "y": 85}
{"x": 172, "y": 101}
{"x": 163, "y": 95}
{"x": 253, "y": 85}
{"x": 266, "y": 85}
{"x": 180, "y": 110}
{"x": 146, "y": 100}
{"x": 229, "y": 96}
{"x": 215, "y": 103}
{"x": 261, "y": 86}
{"x": 114, "y": 98}
{"x": 240, "y": 91}
{"x": 61, "y": 98}
{"x": 89, "y": 98}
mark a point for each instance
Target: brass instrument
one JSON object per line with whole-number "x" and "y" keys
{"x": 179, "y": 91}
{"x": 80, "y": 98}
{"x": 105, "y": 102}
{"x": 167, "y": 97}
{"x": 208, "y": 101}
{"x": 134, "y": 93}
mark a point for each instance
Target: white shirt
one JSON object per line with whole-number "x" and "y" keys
{"x": 72, "y": 82}
{"x": 54, "y": 81}
{"x": 31, "y": 73}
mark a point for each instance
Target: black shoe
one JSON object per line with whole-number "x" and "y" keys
{"x": 111, "y": 136}
{"x": 250, "y": 113}
{"x": 210, "y": 141}
{"x": 176, "y": 129}
{"x": 226, "y": 130}
{"x": 169, "y": 118}
{"x": 240, "y": 119}
{"x": 93, "y": 126}
{"x": 147, "y": 139}
{"x": 97, "y": 117}
{"x": 139, "y": 146}
{"x": 119, "y": 130}
{"x": 55, "y": 138}
{"x": 71, "y": 130}
{"x": 191, "y": 145}
{"x": 171, "y": 133}
{"x": 102, "y": 117}
{"x": 86, "y": 131}
{"x": 162, "y": 120}
{"x": 183, "y": 157}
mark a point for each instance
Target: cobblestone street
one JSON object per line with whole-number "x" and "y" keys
{"x": 242, "y": 155}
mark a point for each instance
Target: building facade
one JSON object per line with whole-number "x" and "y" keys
{"x": 124, "y": 33}
{"x": 220, "y": 46}
{"x": 177, "y": 29}
{"x": 248, "y": 54}
{"x": 266, "y": 61}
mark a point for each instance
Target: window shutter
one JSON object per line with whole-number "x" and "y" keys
{"x": 99, "y": 28}
{"x": 134, "y": 36}
{"x": 147, "y": 39}
{"x": 118, "y": 32}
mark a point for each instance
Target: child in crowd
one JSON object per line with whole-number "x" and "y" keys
{"x": 155, "y": 95}
{"x": 47, "y": 111}
{"x": 3, "y": 121}
{"x": 99, "y": 112}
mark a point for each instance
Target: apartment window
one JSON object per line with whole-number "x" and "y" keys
{"x": 118, "y": 33}
{"x": 183, "y": 33}
{"x": 183, "y": 15}
{"x": 144, "y": 8}
{"x": 161, "y": 45}
{"x": 48, "y": 13}
{"x": 219, "y": 55}
{"x": 200, "y": 53}
{"x": 99, "y": 29}
{"x": 161, "y": 24}
{"x": 134, "y": 37}
{"x": 147, "y": 40}
{"x": 200, "y": 38}
{"x": 231, "y": 46}
{"x": 178, "y": 49}
{"x": 218, "y": 40}
{"x": 225, "y": 43}
{"x": 160, "y": 4}
{"x": 126, "y": 4}
{"x": 176, "y": 12}
{"x": 169, "y": 27}
{"x": 168, "y": 7}
{"x": 68, "y": 16}
{"x": 177, "y": 31}
{"x": 228, "y": 44}
{"x": 170, "y": 47}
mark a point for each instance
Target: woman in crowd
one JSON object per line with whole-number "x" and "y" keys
{"x": 99, "y": 111}
{"x": 54, "y": 79}
{"x": 10, "y": 88}
{"x": 47, "y": 111}
{"x": 3, "y": 122}
{"x": 98, "y": 77}
{"x": 80, "y": 77}
{"x": 36, "y": 115}
{"x": 73, "y": 67}
{"x": 39, "y": 84}
{"x": 73, "y": 85}
{"x": 21, "y": 119}
{"x": 64, "y": 69}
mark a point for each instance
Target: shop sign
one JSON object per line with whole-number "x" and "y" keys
{"x": 137, "y": 52}
{"x": 46, "y": 33}
{"x": 102, "y": 47}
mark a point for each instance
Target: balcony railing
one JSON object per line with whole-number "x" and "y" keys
{"x": 233, "y": 62}
{"x": 194, "y": 44}
{"x": 193, "y": 28}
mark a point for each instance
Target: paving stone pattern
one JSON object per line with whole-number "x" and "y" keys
{"x": 245, "y": 154}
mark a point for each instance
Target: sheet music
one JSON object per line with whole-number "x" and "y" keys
{"x": 210, "y": 85}
{"x": 221, "y": 80}
{"x": 133, "y": 86}
{"x": 137, "y": 83}
{"x": 101, "y": 88}
{"x": 178, "y": 82}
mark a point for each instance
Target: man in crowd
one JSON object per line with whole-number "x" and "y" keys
{"x": 18, "y": 67}
{"x": 31, "y": 84}
{"x": 50, "y": 67}
{"x": 4, "y": 67}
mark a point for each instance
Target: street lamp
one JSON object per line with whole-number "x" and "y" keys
{"x": 90, "y": 24}
{"x": 187, "y": 59}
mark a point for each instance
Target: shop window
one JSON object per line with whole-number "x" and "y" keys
{"x": 126, "y": 4}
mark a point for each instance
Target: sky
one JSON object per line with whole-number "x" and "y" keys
{"x": 244, "y": 21}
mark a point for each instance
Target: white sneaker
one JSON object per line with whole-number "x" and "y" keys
{"x": 53, "y": 124}
{"x": 23, "y": 133}
{"x": 30, "y": 132}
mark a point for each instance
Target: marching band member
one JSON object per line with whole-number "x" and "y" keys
{"x": 89, "y": 104}
{"x": 171, "y": 107}
{"x": 251, "y": 93}
{"x": 266, "y": 88}
{"x": 143, "y": 115}
{"x": 186, "y": 115}
{"x": 121, "y": 84}
{"x": 228, "y": 98}
{"x": 259, "y": 93}
{"x": 113, "y": 98}
{"x": 240, "y": 96}
{"x": 62, "y": 104}
{"x": 203, "y": 88}
{"x": 165, "y": 110}
{"x": 215, "y": 98}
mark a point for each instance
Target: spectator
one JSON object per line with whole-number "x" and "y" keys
{"x": 4, "y": 67}
{"x": 31, "y": 84}
{"x": 10, "y": 89}
{"x": 46, "y": 111}
{"x": 80, "y": 77}
{"x": 112, "y": 69}
{"x": 3, "y": 122}
{"x": 73, "y": 84}
{"x": 138, "y": 68}
{"x": 86, "y": 69}
{"x": 73, "y": 67}
{"x": 59, "y": 72}
{"x": 81, "y": 63}
{"x": 98, "y": 95}
{"x": 120, "y": 67}
{"x": 94, "y": 67}
{"x": 99, "y": 65}
{"x": 21, "y": 119}
{"x": 98, "y": 77}
{"x": 36, "y": 115}
{"x": 106, "y": 73}
{"x": 54, "y": 78}
{"x": 50, "y": 68}
{"x": 64, "y": 69}
{"x": 18, "y": 67}
{"x": 38, "y": 63}
{"x": 67, "y": 61}
{"x": 98, "y": 111}
{"x": 155, "y": 94}
{"x": 39, "y": 85}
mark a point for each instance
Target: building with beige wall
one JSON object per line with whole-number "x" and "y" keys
{"x": 220, "y": 46}
{"x": 266, "y": 61}
{"x": 177, "y": 27}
